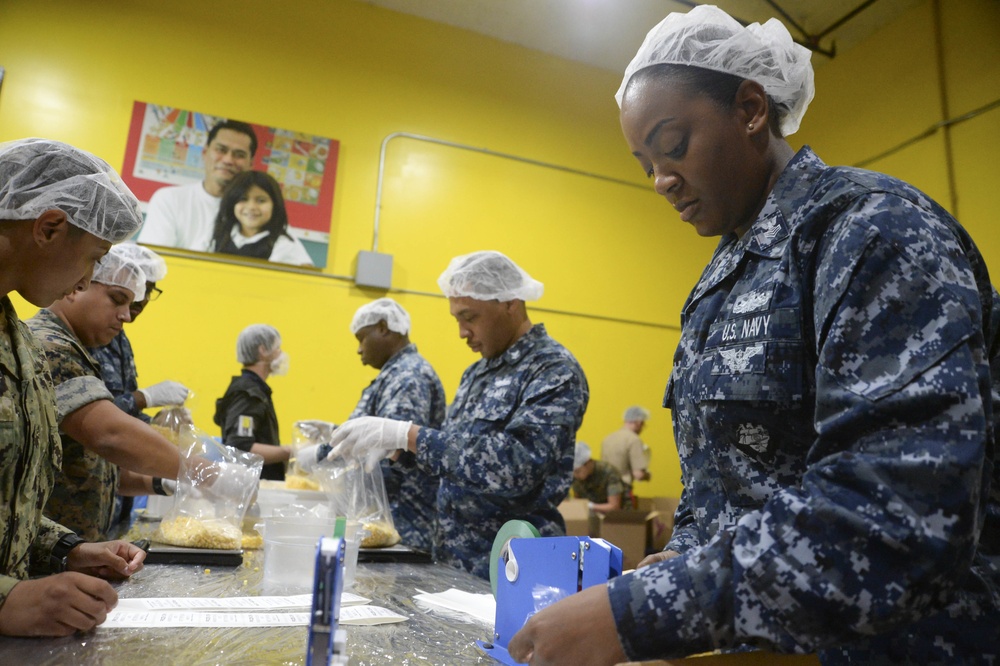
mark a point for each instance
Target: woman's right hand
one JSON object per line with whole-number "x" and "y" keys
{"x": 662, "y": 556}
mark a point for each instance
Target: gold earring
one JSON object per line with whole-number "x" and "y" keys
{"x": 750, "y": 127}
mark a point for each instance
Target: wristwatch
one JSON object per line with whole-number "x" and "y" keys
{"x": 60, "y": 552}
{"x": 158, "y": 486}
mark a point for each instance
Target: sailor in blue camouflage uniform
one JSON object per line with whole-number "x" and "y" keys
{"x": 60, "y": 210}
{"x": 116, "y": 358}
{"x": 506, "y": 449}
{"x": 406, "y": 389}
{"x": 118, "y": 362}
{"x": 831, "y": 393}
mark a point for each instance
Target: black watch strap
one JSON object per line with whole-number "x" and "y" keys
{"x": 60, "y": 552}
{"x": 158, "y": 486}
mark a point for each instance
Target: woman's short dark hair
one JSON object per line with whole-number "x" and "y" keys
{"x": 236, "y": 191}
{"x": 719, "y": 87}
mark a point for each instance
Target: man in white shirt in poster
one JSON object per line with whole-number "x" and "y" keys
{"x": 183, "y": 216}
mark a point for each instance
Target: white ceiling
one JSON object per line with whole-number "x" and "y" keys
{"x": 607, "y": 33}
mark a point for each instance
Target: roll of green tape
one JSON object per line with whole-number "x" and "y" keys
{"x": 512, "y": 529}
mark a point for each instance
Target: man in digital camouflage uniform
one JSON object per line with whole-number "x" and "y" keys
{"x": 831, "y": 392}
{"x": 406, "y": 389}
{"x": 97, "y": 436}
{"x": 506, "y": 448}
{"x": 60, "y": 210}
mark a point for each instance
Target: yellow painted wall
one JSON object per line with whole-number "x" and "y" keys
{"x": 887, "y": 91}
{"x": 616, "y": 262}
{"x": 607, "y": 252}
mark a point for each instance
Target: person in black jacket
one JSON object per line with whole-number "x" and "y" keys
{"x": 245, "y": 413}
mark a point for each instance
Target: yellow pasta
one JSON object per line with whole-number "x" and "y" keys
{"x": 194, "y": 533}
{"x": 378, "y": 534}
{"x": 299, "y": 482}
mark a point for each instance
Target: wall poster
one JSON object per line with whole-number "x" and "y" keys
{"x": 171, "y": 169}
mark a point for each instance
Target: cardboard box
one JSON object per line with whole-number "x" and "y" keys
{"x": 663, "y": 525}
{"x": 629, "y": 530}
{"x": 577, "y": 517}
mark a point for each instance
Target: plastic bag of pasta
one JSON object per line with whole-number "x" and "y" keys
{"x": 307, "y": 433}
{"x": 361, "y": 497}
{"x": 175, "y": 423}
{"x": 215, "y": 486}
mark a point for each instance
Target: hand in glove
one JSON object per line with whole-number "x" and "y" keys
{"x": 369, "y": 438}
{"x": 165, "y": 393}
{"x": 309, "y": 457}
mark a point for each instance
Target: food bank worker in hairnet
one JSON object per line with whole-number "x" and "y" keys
{"x": 831, "y": 392}
{"x": 506, "y": 448}
{"x": 97, "y": 436}
{"x": 61, "y": 208}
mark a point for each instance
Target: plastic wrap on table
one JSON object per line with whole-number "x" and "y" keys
{"x": 425, "y": 638}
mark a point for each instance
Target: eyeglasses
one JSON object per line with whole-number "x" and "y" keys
{"x": 154, "y": 293}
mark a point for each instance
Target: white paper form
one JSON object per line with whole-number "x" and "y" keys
{"x": 172, "y": 618}
{"x": 237, "y": 612}
{"x": 262, "y": 603}
{"x": 368, "y": 615}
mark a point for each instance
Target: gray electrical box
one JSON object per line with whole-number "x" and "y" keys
{"x": 374, "y": 270}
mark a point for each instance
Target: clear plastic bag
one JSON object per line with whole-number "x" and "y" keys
{"x": 175, "y": 423}
{"x": 361, "y": 497}
{"x": 215, "y": 485}
{"x": 306, "y": 433}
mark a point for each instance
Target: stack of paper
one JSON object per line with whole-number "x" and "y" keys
{"x": 460, "y": 605}
{"x": 272, "y": 611}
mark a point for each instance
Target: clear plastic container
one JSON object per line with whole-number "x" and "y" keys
{"x": 290, "y": 553}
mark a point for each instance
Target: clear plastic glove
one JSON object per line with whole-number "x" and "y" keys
{"x": 369, "y": 438}
{"x": 165, "y": 393}
{"x": 309, "y": 457}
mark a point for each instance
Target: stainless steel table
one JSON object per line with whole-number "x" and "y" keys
{"x": 425, "y": 639}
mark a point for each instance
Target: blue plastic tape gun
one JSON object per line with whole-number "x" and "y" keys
{"x": 327, "y": 642}
{"x": 531, "y": 572}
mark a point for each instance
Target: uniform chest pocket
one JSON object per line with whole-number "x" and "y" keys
{"x": 496, "y": 403}
{"x": 755, "y": 407}
{"x": 768, "y": 371}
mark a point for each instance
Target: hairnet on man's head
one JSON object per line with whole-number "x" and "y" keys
{"x": 252, "y": 338}
{"x": 581, "y": 454}
{"x": 151, "y": 263}
{"x": 709, "y": 38}
{"x": 37, "y": 175}
{"x": 383, "y": 309}
{"x": 488, "y": 276}
{"x": 636, "y": 413}
{"x": 118, "y": 270}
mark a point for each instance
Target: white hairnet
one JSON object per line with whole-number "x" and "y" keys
{"x": 581, "y": 455}
{"x": 710, "y": 38}
{"x": 151, "y": 263}
{"x": 383, "y": 309}
{"x": 37, "y": 175}
{"x": 252, "y": 338}
{"x": 116, "y": 269}
{"x": 488, "y": 276}
{"x": 636, "y": 413}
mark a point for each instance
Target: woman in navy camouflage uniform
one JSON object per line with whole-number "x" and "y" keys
{"x": 831, "y": 393}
